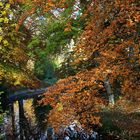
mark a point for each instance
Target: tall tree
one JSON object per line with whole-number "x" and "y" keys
{"x": 108, "y": 49}
{"x": 13, "y": 62}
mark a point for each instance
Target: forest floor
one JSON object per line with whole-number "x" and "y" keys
{"x": 122, "y": 120}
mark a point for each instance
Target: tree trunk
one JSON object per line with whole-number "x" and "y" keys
{"x": 25, "y": 131}
{"x": 11, "y": 107}
{"x": 109, "y": 92}
{"x": 21, "y": 113}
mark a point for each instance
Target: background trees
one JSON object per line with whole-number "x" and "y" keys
{"x": 13, "y": 63}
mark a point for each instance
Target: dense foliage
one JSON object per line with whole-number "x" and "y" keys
{"x": 107, "y": 50}
{"x": 13, "y": 62}
{"x": 100, "y": 70}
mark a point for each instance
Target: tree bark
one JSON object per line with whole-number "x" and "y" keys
{"x": 21, "y": 113}
{"x": 109, "y": 92}
{"x": 11, "y": 107}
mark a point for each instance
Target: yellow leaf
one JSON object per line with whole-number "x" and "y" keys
{"x": 6, "y": 20}
{"x": 1, "y": 4}
{"x": 7, "y": 6}
{"x": 1, "y": 19}
{"x": 5, "y": 42}
{"x": 1, "y": 38}
{"x": 59, "y": 106}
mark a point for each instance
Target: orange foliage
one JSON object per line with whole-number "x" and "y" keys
{"x": 111, "y": 30}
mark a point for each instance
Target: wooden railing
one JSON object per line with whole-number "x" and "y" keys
{"x": 25, "y": 94}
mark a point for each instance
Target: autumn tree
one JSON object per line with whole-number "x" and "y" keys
{"x": 13, "y": 63}
{"x": 107, "y": 50}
